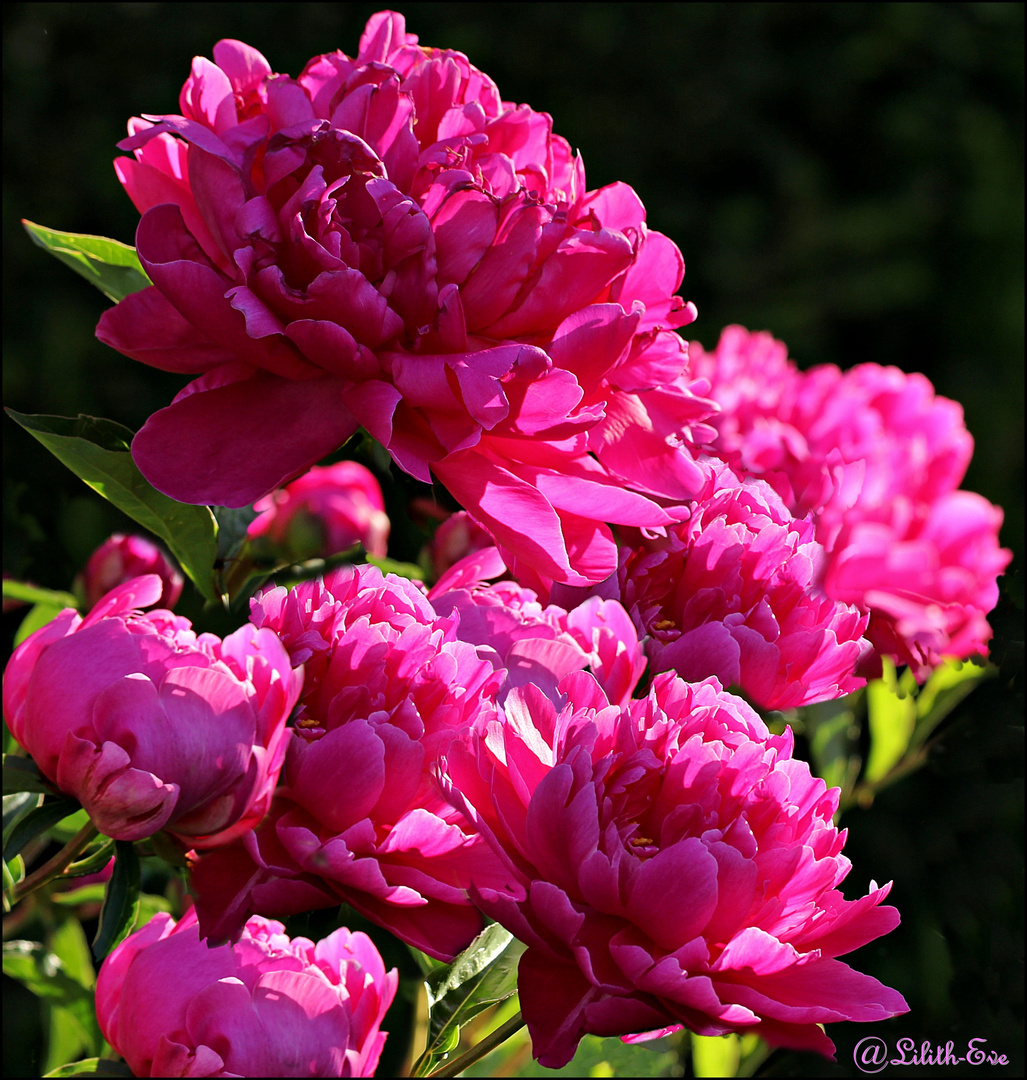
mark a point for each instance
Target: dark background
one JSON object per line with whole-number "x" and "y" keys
{"x": 848, "y": 176}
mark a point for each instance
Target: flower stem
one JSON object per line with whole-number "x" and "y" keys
{"x": 490, "y": 1042}
{"x": 56, "y": 866}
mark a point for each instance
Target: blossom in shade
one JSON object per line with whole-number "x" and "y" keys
{"x": 325, "y": 511}
{"x": 119, "y": 559}
{"x": 877, "y": 458}
{"x": 529, "y": 642}
{"x": 149, "y": 725}
{"x": 359, "y": 817}
{"x": 267, "y": 1006}
{"x": 384, "y": 241}
{"x": 735, "y": 592}
{"x": 457, "y": 535}
{"x": 668, "y": 863}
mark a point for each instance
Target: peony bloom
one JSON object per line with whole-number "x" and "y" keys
{"x": 527, "y": 642}
{"x": 359, "y": 818}
{"x": 735, "y": 592}
{"x": 325, "y": 511}
{"x": 877, "y": 458}
{"x": 384, "y": 241}
{"x": 268, "y": 1006}
{"x": 667, "y": 863}
{"x": 149, "y": 725}
{"x": 121, "y": 558}
{"x": 457, "y": 536}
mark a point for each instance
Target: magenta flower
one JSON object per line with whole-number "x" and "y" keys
{"x": 267, "y": 1006}
{"x": 527, "y": 642}
{"x": 668, "y": 863}
{"x": 359, "y": 817}
{"x": 147, "y": 724}
{"x": 384, "y": 241}
{"x": 457, "y": 536}
{"x": 121, "y": 558}
{"x": 877, "y": 458}
{"x": 735, "y": 592}
{"x": 325, "y": 511}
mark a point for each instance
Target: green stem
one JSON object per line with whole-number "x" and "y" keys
{"x": 489, "y": 1043}
{"x": 56, "y": 866}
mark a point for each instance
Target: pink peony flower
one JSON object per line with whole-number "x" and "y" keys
{"x": 121, "y": 558}
{"x": 877, "y": 458}
{"x": 147, "y": 724}
{"x": 735, "y": 592}
{"x": 531, "y": 643}
{"x": 268, "y": 1006}
{"x": 325, "y": 511}
{"x": 457, "y": 536}
{"x": 359, "y": 818}
{"x": 668, "y": 863}
{"x": 384, "y": 241}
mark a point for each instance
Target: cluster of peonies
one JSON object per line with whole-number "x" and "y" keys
{"x": 384, "y": 241}
{"x": 876, "y": 459}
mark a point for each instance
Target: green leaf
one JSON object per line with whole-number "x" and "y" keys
{"x": 73, "y": 1028}
{"x": 943, "y": 691}
{"x": 33, "y": 594}
{"x": 716, "y": 1055}
{"x": 483, "y": 975}
{"x": 14, "y": 874}
{"x": 97, "y": 452}
{"x": 35, "y": 823}
{"x": 113, "y": 267}
{"x": 400, "y": 569}
{"x": 891, "y": 716}
{"x": 40, "y": 970}
{"x": 92, "y": 1067}
{"x": 22, "y": 774}
{"x": 91, "y": 863}
{"x": 38, "y": 616}
{"x": 121, "y": 901}
{"x": 84, "y": 894}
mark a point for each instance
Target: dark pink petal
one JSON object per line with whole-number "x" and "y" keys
{"x": 231, "y": 445}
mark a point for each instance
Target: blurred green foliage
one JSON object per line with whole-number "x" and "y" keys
{"x": 848, "y": 176}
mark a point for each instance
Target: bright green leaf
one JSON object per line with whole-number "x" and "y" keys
{"x": 38, "y": 615}
{"x": 891, "y": 715}
{"x": 400, "y": 569}
{"x": 716, "y": 1055}
{"x": 943, "y": 691}
{"x": 92, "y": 1067}
{"x": 33, "y": 594}
{"x": 14, "y": 874}
{"x": 113, "y": 267}
{"x": 97, "y": 452}
{"x": 483, "y": 975}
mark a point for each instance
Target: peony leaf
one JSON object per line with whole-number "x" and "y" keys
{"x": 121, "y": 902}
{"x": 39, "y": 615}
{"x": 110, "y": 265}
{"x": 891, "y": 715}
{"x": 483, "y": 975}
{"x": 37, "y": 821}
{"x": 943, "y": 691}
{"x": 716, "y": 1055}
{"x": 91, "y": 1067}
{"x": 33, "y": 594}
{"x": 97, "y": 452}
{"x": 22, "y": 774}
